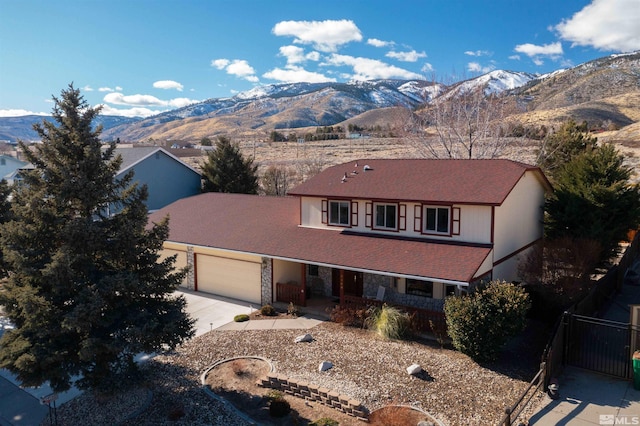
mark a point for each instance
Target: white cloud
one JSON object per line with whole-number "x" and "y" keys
{"x": 313, "y": 56}
{"x": 168, "y": 84}
{"x": 87, "y": 88}
{"x": 181, "y": 102}
{"x": 476, "y": 67}
{"x": 370, "y": 69}
{"x": 536, "y": 52}
{"x": 220, "y": 63}
{"x": 18, "y": 113}
{"x": 106, "y": 89}
{"x": 238, "y": 67}
{"x": 515, "y": 57}
{"x": 145, "y": 101}
{"x": 379, "y": 43}
{"x": 296, "y": 55}
{"x": 478, "y": 53}
{"x": 605, "y": 25}
{"x": 411, "y": 56}
{"x": 325, "y": 36}
{"x": 427, "y": 67}
{"x": 134, "y": 100}
{"x": 130, "y": 112}
{"x": 295, "y": 74}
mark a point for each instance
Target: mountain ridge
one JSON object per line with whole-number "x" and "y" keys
{"x": 258, "y": 111}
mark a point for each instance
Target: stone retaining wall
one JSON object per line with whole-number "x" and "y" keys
{"x": 314, "y": 393}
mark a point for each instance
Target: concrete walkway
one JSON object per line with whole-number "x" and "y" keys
{"x": 587, "y": 399}
{"x": 275, "y": 324}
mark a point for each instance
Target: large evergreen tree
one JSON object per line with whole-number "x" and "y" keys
{"x": 5, "y": 214}
{"x": 226, "y": 170}
{"x": 593, "y": 200}
{"x": 560, "y": 147}
{"x": 87, "y": 291}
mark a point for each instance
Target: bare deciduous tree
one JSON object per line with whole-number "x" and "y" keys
{"x": 461, "y": 124}
{"x": 278, "y": 179}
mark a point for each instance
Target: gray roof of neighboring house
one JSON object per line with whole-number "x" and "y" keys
{"x": 132, "y": 156}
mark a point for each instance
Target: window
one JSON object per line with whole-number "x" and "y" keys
{"x": 386, "y": 216}
{"x": 339, "y": 213}
{"x": 313, "y": 270}
{"x": 419, "y": 288}
{"x": 436, "y": 219}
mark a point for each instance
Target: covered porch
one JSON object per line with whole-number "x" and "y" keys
{"x": 318, "y": 289}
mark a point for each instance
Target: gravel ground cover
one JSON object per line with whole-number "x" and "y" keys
{"x": 454, "y": 388}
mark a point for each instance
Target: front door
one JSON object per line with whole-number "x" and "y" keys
{"x": 352, "y": 283}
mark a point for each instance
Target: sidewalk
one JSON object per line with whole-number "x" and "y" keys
{"x": 275, "y": 324}
{"x": 590, "y": 399}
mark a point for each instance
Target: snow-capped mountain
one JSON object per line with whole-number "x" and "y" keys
{"x": 492, "y": 83}
{"x": 297, "y": 105}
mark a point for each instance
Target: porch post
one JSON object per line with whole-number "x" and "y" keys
{"x": 341, "y": 287}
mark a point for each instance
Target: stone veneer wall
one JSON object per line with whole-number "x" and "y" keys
{"x": 391, "y": 294}
{"x": 324, "y": 274}
{"x": 310, "y": 392}
{"x": 191, "y": 274}
{"x": 266, "y": 281}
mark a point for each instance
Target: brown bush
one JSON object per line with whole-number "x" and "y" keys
{"x": 352, "y": 317}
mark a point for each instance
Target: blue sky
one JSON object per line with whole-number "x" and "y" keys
{"x": 142, "y": 57}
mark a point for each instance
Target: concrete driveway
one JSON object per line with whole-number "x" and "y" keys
{"x": 21, "y": 406}
{"x": 211, "y": 312}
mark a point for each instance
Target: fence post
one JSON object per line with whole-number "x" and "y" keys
{"x": 507, "y": 411}
{"x": 566, "y": 336}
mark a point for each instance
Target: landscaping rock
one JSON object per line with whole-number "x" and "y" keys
{"x": 414, "y": 369}
{"x": 304, "y": 338}
{"x": 325, "y": 365}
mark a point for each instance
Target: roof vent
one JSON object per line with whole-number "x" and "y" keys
{"x": 367, "y": 167}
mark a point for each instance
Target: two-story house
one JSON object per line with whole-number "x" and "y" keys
{"x": 419, "y": 229}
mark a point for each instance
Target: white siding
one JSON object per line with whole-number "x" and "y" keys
{"x": 475, "y": 224}
{"x": 518, "y": 222}
{"x": 284, "y": 271}
{"x": 181, "y": 260}
{"x": 311, "y": 212}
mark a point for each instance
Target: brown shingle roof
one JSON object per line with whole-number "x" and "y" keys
{"x": 428, "y": 180}
{"x": 269, "y": 226}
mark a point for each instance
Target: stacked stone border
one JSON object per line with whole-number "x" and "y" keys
{"x": 227, "y": 404}
{"x": 315, "y": 393}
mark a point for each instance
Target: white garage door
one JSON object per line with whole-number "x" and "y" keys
{"x": 238, "y": 279}
{"x": 181, "y": 260}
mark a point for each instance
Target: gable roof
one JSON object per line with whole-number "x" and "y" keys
{"x": 134, "y": 155}
{"x": 486, "y": 181}
{"x": 268, "y": 226}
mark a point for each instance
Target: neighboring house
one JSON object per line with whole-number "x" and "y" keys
{"x": 416, "y": 229}
{"x": 167, "y": 177}
{"x": 9, "y": 167}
